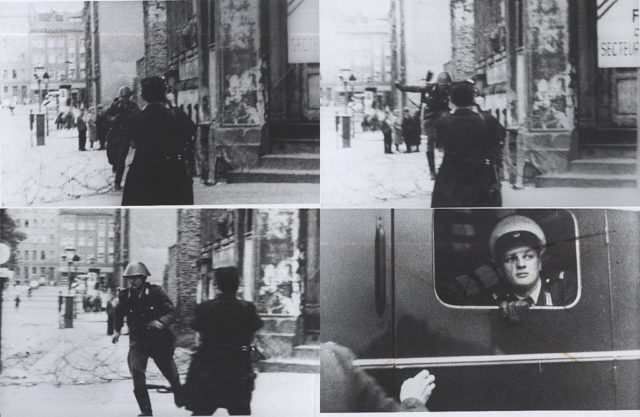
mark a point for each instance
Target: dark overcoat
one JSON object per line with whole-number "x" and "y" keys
{"x": 158, "y": 173}
{"x": 220, "y": 374}
{"x": 468, "y": 139}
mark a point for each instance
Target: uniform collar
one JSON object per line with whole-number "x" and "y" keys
{"x": 534, "y": 295}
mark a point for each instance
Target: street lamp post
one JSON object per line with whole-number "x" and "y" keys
{"x": 38, "y": 73}
{"x": 347, "y": 78}
{"x": 70, "y": 258}
{"x": 45, "y": 77}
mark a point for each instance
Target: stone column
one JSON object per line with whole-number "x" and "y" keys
{"x": 463, "y": 43}
{"x": 550, "y": 108}
{"x": 243, "y": 79}
{"x": 188, "y": 251}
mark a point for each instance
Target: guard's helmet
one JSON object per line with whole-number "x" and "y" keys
{"x": 516, "y": 230}
{"x": 136, "y": 269}
{"x": 443, "y": 78}
{"x": 124, "y": 91}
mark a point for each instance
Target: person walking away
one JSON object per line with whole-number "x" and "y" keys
{"x": 158, "y": 174}
{"x": 101, "y": 127}
{"x": 68, "y": 120}
{"x": 118, "y": 140}
{"x": 111, "y": 309}
{"x": 387, "y": 130}
{"x": 149, "y": 314}
{"x": 220, "y": 374}
{"x": 472, "y": 145}
{"x": 17, "y": 301}
{"x": 397, "y": 130}
{"x": 82, "y": 131}
{"x": 91, "y": 123}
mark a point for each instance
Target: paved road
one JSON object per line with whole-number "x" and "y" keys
{"x": 78, "y": 371}
{"x": 32, "y": 175}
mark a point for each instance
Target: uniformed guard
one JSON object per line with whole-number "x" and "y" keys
{"x": 517, "y": 244}
{"x": 220, "y": 374}
{"x": 434, "y": 101}
{"x": 118, "y": 139}
{"x": 149, "y": 313}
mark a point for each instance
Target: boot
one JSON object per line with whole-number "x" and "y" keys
{"x": 144, "y": 402}
{"x": 178, "y": 393}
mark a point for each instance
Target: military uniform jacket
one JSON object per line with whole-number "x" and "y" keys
{"x": 557, "y": 292}
{"x": 142, "y": 307}
{"x": 117, "y": 116}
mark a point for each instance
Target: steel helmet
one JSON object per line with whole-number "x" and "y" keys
{"x": 135, "y": 269}
{"x": 517, "y": 229}
{"x": 443, "y": 78}
{"x": 124, "y": 91}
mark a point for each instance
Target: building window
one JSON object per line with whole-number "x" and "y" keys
{"x": 34, "y": 270}
{"x": 26, "y": 272}
{"x": 26, "y": 255}
{"x": 42, "y": 256}
{"x": 34, "y": 255}
{"x": 14, "y": 74}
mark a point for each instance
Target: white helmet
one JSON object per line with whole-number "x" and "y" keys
{"x": 516, "y": 229}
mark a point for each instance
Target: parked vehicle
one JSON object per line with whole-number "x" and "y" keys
{"x": 386, "y": 296}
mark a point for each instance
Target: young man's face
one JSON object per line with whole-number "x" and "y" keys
{"x": 521, "y": 266}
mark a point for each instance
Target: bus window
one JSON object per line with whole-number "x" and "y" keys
{"x": 483, "y": 258}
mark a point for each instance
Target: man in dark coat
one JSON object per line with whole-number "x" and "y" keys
{"x": 82, "y": 131}
{"x": 220, "y": 374}
{"x": 387, "y": 130}
{"x": 118, "y": 140}
{"x": 472, "y": 143}
{"x": 101, "y": 127}
{"x": 149, "y": 314}
{"x": 158, "y": 174}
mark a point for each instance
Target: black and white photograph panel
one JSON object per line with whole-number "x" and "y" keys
{"x": 110, "y": 103}
{"x": 456, "y": 103}
{"x": 479, "y": 310}
{"x": 103, "y": 313}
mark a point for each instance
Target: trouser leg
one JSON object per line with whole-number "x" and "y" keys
{"x": 137, "y": 361}
{"x": 123, "y": 149}
{"x": 240, "y": 409}
{"x": 167, "y": 366}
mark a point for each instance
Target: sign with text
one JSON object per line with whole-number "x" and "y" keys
{"x": 618, "y": 33}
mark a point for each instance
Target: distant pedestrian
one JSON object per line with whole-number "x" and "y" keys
{"x": 59, "y": 120}
{"x": 60, "y": 301}
{"x": 387, "y": 131}
{"x": 68, "y": 120}
{"x": 397, "y": 130}
{"x": 101, "y": 127}
{"x": 118, "y": 140}
{"x": 111, "y": 309}
{"x": 220, "y": 374}
{"x": 17, "y": 301}
{"x": 91, "y": 123}
{"x": 82, "y": 131}
{"x": 158, "y": 174}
